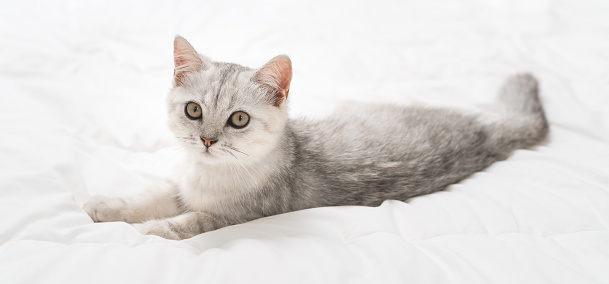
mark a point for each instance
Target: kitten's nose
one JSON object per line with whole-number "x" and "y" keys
{"x": 208, "y": 142}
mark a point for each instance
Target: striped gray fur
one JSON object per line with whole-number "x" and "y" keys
{"x": 360, "y": 155}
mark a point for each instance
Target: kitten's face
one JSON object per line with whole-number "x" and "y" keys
{"x": 223, "y": 113}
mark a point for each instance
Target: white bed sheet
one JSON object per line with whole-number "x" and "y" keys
{"x": 82, "y": 90}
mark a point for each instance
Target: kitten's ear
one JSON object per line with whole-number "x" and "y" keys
{"x": 185, "y": 58}
{"x": 277, "y": 75}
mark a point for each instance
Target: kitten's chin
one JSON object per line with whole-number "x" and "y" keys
{"x": 211, "y": 158}
{"x": 208, "y": 157}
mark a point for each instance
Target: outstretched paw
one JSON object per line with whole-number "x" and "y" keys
{"x": 105, "y": 209}
{"x": 159, "y": 228}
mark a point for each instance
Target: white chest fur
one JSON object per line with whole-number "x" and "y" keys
{"x": 218, "y": 188}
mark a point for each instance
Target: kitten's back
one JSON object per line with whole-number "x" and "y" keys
{"x": 382, "y": 152}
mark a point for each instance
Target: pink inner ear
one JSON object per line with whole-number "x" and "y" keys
{"x": 185, "y": 58}
{"x": 277, "y": 74}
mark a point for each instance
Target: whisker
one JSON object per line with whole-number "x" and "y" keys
{"x": 185, "y": 138}
{"x": 227, "y": 151}
{"x": 235, "y": 149}
{"x": 249, "y": 173}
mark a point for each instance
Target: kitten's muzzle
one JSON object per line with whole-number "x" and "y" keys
{"x": 208, "y": 142}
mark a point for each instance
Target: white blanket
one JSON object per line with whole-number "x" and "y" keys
{"x": 82, "y": 93}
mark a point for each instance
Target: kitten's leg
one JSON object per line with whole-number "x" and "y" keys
{"x": 158, "y": 202}
{"x": 180, "y": 227}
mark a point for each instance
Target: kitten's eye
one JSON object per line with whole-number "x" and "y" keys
{"x": 193, "y": 110}
{"x": 239, "y": 119}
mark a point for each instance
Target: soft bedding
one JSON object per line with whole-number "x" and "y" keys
{"x": 82, "y": 90}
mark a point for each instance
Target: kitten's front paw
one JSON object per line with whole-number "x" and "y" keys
{"x": 105, "y": 209}
{"x": 158, "y": 228}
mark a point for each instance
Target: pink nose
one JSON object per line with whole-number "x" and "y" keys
{"x": 208, "y": 142}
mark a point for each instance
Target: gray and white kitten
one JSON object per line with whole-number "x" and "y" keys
{"x": 245, "y": 159}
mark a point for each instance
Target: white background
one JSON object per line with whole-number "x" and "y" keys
{"x": 82, "y": 91}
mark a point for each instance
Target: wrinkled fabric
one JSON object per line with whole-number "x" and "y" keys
{"x": 82, "y": 93}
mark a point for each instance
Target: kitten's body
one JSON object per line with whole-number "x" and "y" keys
{"x": 359, "y": 156}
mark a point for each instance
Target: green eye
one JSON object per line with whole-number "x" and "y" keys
{"x": 239, "y": 119}
{"x": 193, "y": 110}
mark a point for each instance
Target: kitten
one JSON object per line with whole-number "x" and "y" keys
{"x": 246, "y": 160}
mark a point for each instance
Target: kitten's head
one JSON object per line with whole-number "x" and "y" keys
{"x": 224, "y": 113}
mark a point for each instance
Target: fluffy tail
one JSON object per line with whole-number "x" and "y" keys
{"x": 524, "y": 124}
